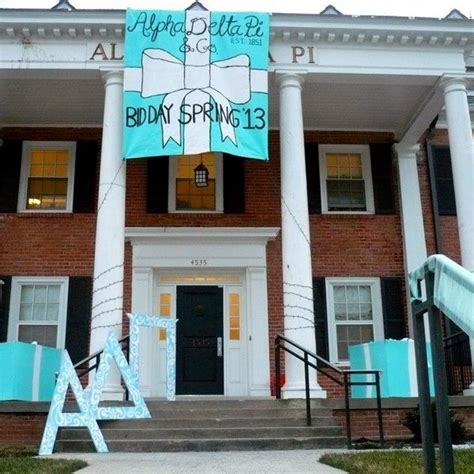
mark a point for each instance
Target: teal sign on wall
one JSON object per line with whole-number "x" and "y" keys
{"x": 196, "y": 81}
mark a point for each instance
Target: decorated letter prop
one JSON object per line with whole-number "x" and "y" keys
{"x": 57, "y": 418}
{"x": 88, "y": 400}
{"x": 139, "y": 320}
{"x": 196, "y": 81}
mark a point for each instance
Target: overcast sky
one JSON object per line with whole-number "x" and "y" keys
{"x": 418, "y": 8}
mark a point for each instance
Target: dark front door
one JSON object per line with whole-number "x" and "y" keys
{"x": 199, "y": 340}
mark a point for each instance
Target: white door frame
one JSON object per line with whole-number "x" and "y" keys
{"x": 218, "y": 250}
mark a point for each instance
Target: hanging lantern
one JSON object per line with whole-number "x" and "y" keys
{"x": 201, "y": 175}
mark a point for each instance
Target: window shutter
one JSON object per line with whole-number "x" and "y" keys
{"x": 382, "y": 177}
{"x": 443, "y": 175}
{"x": 79, "y": 308}
{"x": 157, "y": 185}
{"x": 5, "y": 306}
{"x": 234, "y": 184}
{"x": 320, "y": 317}
{"x": 85, "y": 177}
{"x": 10, "y": 160}
{"x": 312, "y": 178}
{"x": 392, "y": 306}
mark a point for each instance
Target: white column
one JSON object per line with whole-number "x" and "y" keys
{"x": 107, "y": 298}
{"x": 462, "y": 162}
{"x": 413, "y": 231}
{"x": 296, "y": 250}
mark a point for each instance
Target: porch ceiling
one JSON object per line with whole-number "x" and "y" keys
{"x": 65, "y": 98}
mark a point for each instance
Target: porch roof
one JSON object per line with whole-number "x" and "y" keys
{"x": 361, "y": 73}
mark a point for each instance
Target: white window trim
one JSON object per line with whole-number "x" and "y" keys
{"x": 14, "y": 318}
{"x": 28, "y": 146}
{"x": 173, "y": 167}
{"x": 364, "y": 151}
{"x": 375, "y": 291}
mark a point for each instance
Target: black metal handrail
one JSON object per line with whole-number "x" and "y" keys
{"x": 323, "y": 366}
{"x": 457, "y": 355}
{"x": 84, "y": 366}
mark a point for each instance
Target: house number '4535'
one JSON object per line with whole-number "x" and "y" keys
{"x": 199, "y": 262}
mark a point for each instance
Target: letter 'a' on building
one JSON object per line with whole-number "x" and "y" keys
{"x": 246, "y": 175}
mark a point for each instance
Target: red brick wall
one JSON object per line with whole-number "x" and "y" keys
{"x": 364, "y": 423}
{"x": 24, "y": 429}
{"x": 343, "y": 245}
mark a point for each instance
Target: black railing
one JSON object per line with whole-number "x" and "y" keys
{"x": 457, "y": 355}
{"x": 340, "y": 377}
{"x": 85, "y": 366}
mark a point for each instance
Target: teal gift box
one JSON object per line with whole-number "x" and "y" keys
{"x": 28, "y": 371}
{"x": 397, "y": 363}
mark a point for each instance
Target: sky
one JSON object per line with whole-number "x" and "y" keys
{"x": 405, "y": 8}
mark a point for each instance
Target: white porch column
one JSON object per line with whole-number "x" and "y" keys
{"x": 296, "y": 251}
{"x": 107, "y": 299}
{"x": 462, "y": 162}
{"x": 413, "y": 231}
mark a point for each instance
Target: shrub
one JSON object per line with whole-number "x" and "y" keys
{"x": 413, "y": 423}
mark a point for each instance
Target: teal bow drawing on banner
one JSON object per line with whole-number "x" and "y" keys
{"x": 197, "y": 91}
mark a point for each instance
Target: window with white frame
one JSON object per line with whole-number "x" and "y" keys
{"x": 184, "y": 195}
{"x": 354, "y": 309}
{"x": 346, "y": 178}
{"x": 47, "y": 176}
{"x": 38, "y": 309}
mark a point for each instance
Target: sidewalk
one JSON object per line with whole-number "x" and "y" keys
{"x": 300, "y": 461}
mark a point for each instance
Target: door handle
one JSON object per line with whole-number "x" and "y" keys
{"x": 219, "y": 347}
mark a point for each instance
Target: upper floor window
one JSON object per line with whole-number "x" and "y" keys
{"x": 47, "y": 176}
{"x": 346, "y": 178}
{"x": 38, "y": 310}
{"x": 184, "y": 195}
{"x": 354, "y": 309}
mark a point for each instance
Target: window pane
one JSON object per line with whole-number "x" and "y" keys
{"x": 52, "y": 311}
{"x": 45, "y": 335}
{"x": 348, "y": 335}
{"x": 41, "y": 292}
{"x": 39, "y": 312}
{"x": 364, "y": 294}
{"x": 26, "y": 311}
{"x": 365, "y": 311}
{"x": 27, "y": 293}
{"x": 189, "y": 196}
{"x": 340, "y": 294}
{"x": 352, "y": 293}
{"x": 340, "y": 311}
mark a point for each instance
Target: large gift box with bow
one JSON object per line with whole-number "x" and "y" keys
{"x": 397, "y": 363}
{"x": 28, "y": 371}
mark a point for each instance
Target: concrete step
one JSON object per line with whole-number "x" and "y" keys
{"x": 204, "y": 433}
{"x": 229, "y": 403}
{"x": 214, "y": 425}
{"x": 186, "y": 444}
{"x": 217, "y": 422}
{"x": 243, "y": 412}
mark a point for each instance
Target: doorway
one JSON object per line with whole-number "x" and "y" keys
{"x": 199, "y": 340}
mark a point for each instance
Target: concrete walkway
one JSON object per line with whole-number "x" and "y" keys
{"x": 300, "y": 461}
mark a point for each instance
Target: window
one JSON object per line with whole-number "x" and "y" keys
{"x": 346, "y": 178}
{"x": 184, "y": 195}
{"x": 354, "y": 310}
{"x": 38, "y": 310}
{"x": 47, "y": 175}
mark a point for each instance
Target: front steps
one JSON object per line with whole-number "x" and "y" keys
{"x": 214, "y": 425}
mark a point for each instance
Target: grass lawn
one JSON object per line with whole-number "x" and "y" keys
{"x": 394, "y": 462}
{"x": 17, "y": 460}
